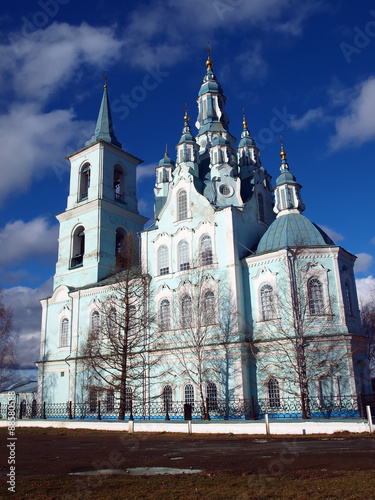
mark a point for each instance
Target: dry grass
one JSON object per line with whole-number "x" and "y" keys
{"x": 332, "y": 485}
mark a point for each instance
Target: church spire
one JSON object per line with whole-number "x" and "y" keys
{"x": 104, "y": 125}
{"x": 211, "y": 103}
{"x": 287, "y": 190}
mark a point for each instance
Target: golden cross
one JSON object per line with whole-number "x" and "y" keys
{"x": 105, "y": 79}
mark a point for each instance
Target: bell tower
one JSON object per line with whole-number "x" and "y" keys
{"x": 102, "y": 206}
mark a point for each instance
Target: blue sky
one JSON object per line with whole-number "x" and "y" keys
{"x": 303, "y": 69}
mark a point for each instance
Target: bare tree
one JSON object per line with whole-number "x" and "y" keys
{"x": 118, "y": 345}
{"x": 297, "y": 340}
{"x": 8, "y": 341}
{"x": 201, "y": 333}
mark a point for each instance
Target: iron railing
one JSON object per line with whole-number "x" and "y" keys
{"x": 352, "y": 406}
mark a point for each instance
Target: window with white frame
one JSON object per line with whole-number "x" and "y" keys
{"x": 267, "y": 302}
{"x": 316, "y": 297}
{"x": 206, "y": 250}
{"x": 95, "y": 325}
{"x": 273, "y": 390}
{"x": 211, "y": 392}
{"x": 348, "y": 300}
{"x": 64, "y": 333}
{"x": 167, "y": 398}
{"x": 110, "y": 400}
{"x": 186, "y": 311}
{"x": 183, "y": 256}
{"x": 128, "y": 398}
{"x": 189, "y": 395}
{"x": 112, "y": 321}
{"x": 84, "y": 183}
{"x": 93, "y": 400}
{"x": 163, "y": 260}
{"x": 209, "y": 309}
{"x": 165, "y": 315}
{"x": 78, "y": 247}
{"x": 119, "y": 183}
{"x": 182, "y": 210}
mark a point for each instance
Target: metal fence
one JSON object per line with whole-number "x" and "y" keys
{"x": 353, "y": 406}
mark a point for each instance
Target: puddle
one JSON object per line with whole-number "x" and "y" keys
{"x": 176, "y": 458}
{"x": 137, "y": 471}
{"x": 260, "y": 440}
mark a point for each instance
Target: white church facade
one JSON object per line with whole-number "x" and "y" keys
{"x": 246, "y": 296}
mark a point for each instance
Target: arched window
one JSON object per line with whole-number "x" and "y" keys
{"x": 119, "y": 183}
{"x": 84, "y": 182}
{"x": 78, "y": 247}
{"x": 34, "y": 408}
{"x": 186, "y": 311}
{"x": 163, "y": 260}
{"x": 273, "y": 393}
{"x": 316, "y": 299}
{"x": 110, "y": 400}
{"x": 23, "y": 408}
{"x": 167, "y": 397}
{"x": 183, "y": 256}
{"x": 267, "y": 302}
{"x": 348, "y": 300}
{"x": 95, "y": 325}
{"x": 128, "y": 398}
{"x": 93, "y": 400}
{"x": 211, "y": 391}
{"x": 64, "y": 333}
{"x": 112, "y": 321}
{"x": 261, "y": 208}
{"x": 206, "y": 250}
{"x": 209, "y": 309}
{"x": 165, "y": 315}
{"x": 182, "y": 211}
{"x": 189, "y": 395}
{"x": 120, "y": 236}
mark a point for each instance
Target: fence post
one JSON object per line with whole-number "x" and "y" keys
{"x": 70, "y": 410}
{"x": 362, "y": 406}
{"x": 252, "y": 408}
{"x": 44, "y": 410}
{"x": 131, "y": 417}
{"x": 99, "y": 416}
{"x": 20, "y": 414}
{"x": 1, "y": 416}
{"x": 369, "y": 418}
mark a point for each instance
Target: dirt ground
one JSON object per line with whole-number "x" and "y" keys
{"x": 52, "y": 452}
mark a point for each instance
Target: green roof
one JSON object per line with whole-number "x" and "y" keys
{"x": 292, "y": 230}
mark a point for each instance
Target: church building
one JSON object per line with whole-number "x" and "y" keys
{"x": 246, "y": 297}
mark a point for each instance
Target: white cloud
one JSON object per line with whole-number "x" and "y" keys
{"x": 357, "y": 125}
{"x": 20, "y": 241}
{"x": 251, "y": 63}
{"x": 146, "y": 171}
{"x": 311, "y": 116}
{"x": 334, "y": 235}
{"x": 27, "y": 318}
{"x": 363, "y": 262}
{"x": 365, "y": 289}
{"x": 47, "y": 59}
{"x": 32, "y": 141}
